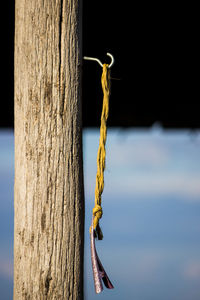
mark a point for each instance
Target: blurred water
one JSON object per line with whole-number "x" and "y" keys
{"x": 151, "y": 220}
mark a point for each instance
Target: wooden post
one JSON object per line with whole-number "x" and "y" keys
{"x": 49, "y": 201}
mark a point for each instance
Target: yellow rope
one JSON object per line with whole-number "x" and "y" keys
{"x": 101, "y": 156}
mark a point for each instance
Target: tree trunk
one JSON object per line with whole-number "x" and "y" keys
{"x": 49, "y": 201}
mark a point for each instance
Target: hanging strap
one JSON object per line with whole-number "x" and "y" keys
{"x": 99, "y": 272}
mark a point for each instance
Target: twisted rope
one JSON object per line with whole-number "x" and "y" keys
{"x": 101, "y": 156}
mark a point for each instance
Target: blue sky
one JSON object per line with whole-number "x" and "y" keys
{"x": 151, "y": 220}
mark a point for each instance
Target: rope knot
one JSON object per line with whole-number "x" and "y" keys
{"x": 97, "y": 213}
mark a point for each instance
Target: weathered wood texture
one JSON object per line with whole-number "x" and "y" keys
{"x": 49, "y": 201}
